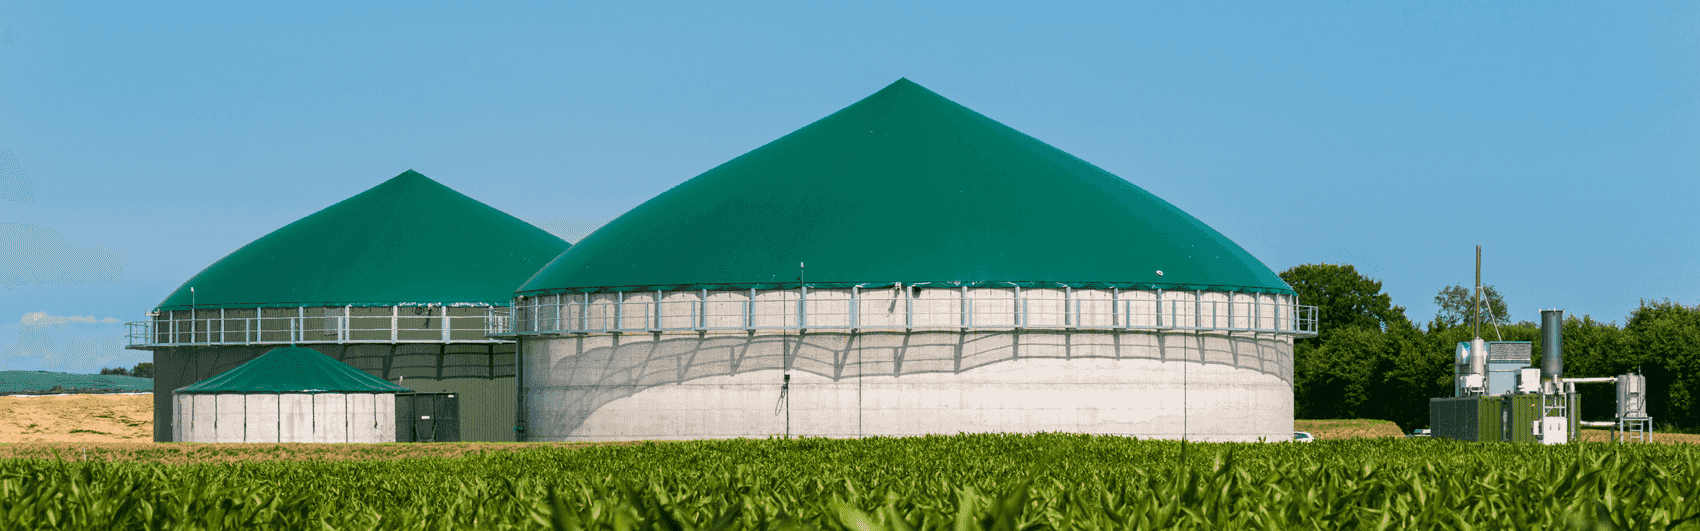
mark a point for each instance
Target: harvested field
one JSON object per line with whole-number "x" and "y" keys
{"x": 190, "y": 453}
{"x": 1667, "y": 438}
{"x": 1348, "y": 428}
{"x": 76, "y": 418}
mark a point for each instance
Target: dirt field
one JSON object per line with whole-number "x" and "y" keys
{"x": 1348, "y": 429}
{"x": 76, "y": 418}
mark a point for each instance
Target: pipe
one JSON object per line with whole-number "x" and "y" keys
{"x": 1479, "y": 359}
{"x": 1552, "y": 345}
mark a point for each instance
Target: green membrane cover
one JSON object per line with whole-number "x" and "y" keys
{"x": 408, "y": 241}
{"x": 296, "y": 370}
{"x": 905, "y": 186}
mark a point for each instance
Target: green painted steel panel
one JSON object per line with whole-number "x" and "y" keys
{"x": 905, "y": 186}
{"x": 408, "y": 241}
{"x": 486, "y": 405}
{"x": 1525, "y": 412}
{"x": 1490, "y": 425}
{"x": 293, "y": 370}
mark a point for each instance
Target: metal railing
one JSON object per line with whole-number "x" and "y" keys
{"x": 948, "y": 309}
{"x": 276, "y": 326}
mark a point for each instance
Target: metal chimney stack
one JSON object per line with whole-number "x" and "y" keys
{"x": 1552, "y": 345}
{"x": 1478, "y": 348}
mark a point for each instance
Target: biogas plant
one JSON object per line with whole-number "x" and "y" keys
{"x": 904, "y": 266}
{"x": 1498, "y": 396}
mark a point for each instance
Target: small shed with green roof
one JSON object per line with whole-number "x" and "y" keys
{"x": 289, "y": 394}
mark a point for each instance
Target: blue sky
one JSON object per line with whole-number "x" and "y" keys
{"x": 141, "y": 143}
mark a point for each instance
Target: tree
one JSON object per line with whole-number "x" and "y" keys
{"x": 119, "y": 371}
{"x": 143, "y": 370}
{"x": 1343, "y": 298}
{"x": 1665, "y": 339}
{"x": 1456, "y": 303}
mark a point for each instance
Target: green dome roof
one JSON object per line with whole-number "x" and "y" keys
{"x": 293, "y": 369}
{"x": 407, "y": 241}
{"x": 905, "y": 186}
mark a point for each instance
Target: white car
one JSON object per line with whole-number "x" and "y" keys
{"x": 1303, "y": 436}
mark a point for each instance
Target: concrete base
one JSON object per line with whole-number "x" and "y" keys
{"x": 1207, "y": 387}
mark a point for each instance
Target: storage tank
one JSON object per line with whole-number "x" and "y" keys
{"x": 401, "y": 281}
{"x": 906, "y": 266}
{"x": 290, "y": 394}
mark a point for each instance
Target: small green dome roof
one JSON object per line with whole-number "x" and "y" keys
{"x": 407, "y": 241}
{"x": 905, "y": 186}
{"x": 293, "y": 369}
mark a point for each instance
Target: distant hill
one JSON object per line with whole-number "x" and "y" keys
{"x": 13, "y": 382}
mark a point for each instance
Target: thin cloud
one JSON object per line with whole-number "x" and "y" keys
{"x": 15, "y": 185}
{"x": 32, "y": 255}
{"x": 42, "y": 318}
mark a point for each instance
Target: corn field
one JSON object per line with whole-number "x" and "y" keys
{"x": 1009, "y": 482}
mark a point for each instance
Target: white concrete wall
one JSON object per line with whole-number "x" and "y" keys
{"x": 232, "y": 418}
{"x": 262, "y": 418}
{"x": 363, "y": 418}
{"x": 330, "y": 418}
{"x": 268, "y": 418}
{"x": 384, "y": 414}
{"x": 1202, "y": 386}
{"x": 202, "y": 428}
{"x": 296, "y": 418}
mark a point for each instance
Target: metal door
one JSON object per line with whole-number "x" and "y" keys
{"x": 427, "y": 417}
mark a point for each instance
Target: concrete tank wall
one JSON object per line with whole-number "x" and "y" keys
{"x": 1211, "y": 386}
{"x": 483, "y": 374}
{"x": 271, "y": 418}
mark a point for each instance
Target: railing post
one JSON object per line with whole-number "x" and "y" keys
{"x": 750, "y": 310}
{"x": 657, "y": 311}
{"x": 1159, "y": 315}
{"x": 802, "y": 306}
{"x": 446, "y": 330}
{"x": 395, "y": 323}
{"x": 855, "y": 307}
{"x": 962, "y": 306}
{"x": 703, "y": 315}
{"x": 1257, "y": 311}
{"x": 909, "y": 307}
{"x": 1020, "y": 308}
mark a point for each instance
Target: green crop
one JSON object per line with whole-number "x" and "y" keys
{"x": 961, "y": 482}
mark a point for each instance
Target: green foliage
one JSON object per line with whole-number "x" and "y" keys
{"x": 963, "y": 482}
{"x": 1343, "y": 298}
{"x": 1664, "y": 338}
{"x": 1457, "y": 302}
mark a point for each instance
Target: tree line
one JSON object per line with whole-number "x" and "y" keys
{"x": 1371, "y": 361}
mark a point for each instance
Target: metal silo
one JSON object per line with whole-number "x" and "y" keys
{"x": 906, "y": 266}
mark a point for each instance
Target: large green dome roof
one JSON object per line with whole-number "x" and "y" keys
{"x": 407, "y": 241}
{"x": 905, "y": 186}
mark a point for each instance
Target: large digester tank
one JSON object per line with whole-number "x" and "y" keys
{"x": 401, "y": 281}
{"x": 906, "y": 266}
